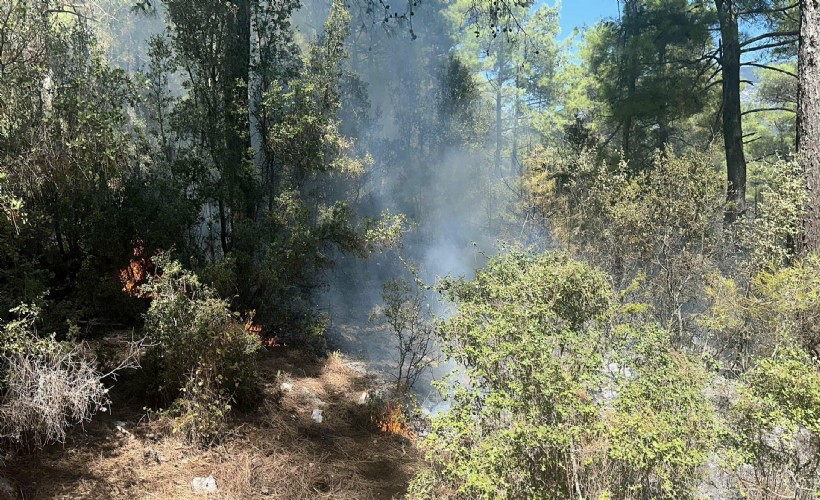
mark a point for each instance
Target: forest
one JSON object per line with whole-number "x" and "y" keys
{"x": 431, "y": 249}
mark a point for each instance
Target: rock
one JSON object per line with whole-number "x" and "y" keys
{"x": 204, "y": 485}
{"x": 155, "y": 455}
{"x": 363, "y": 398}
{"x": 123, "y": 431}
{"x": 286, "y": 387}
{"x": 317, "y": 416}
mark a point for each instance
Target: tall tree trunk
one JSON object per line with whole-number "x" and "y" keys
{"x": 499, "y": 134}
{"x": 498, "y": 129}
{"x": 240, "y": 197}
{"x": 663, "y": 110}
{"x": 515, "y": 164}
{"x": 631, "y": 76}
{"x": 808, "y": 119}
{"x": 732, "y": 122}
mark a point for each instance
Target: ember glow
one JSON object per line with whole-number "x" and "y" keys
{"x": 139, "y": 269}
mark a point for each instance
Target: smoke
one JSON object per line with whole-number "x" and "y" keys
{"x": 427, "y": 129}
{"x": 408, "y": 104}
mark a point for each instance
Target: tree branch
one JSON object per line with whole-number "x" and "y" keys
{"x": 769, "y": 11}
{"x": 772, "y": 45}
{"x": 773, "y": 34}
{"x": 772, "y": 68}
{"x": 759, "y": 110}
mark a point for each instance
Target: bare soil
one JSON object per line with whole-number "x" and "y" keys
{"x": 277, "y": 451}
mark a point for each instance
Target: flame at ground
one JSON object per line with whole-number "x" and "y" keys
{"x": 137, "y": 272}
{"x": 394, "y": 421}
{"x": 254, "y": 329}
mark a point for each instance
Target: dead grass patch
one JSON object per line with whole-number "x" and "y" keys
{"x": 276, "y": 452}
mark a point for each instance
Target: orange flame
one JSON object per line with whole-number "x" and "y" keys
{"x": 254, "y": 329}
{"x": 394, "y": 421}
{"x": 137, "y": 272}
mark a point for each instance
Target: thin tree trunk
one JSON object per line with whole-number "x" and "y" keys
{"x": 631, "y": 77}
{"x": 732, "y": 122}
{"x": 223, "y": 228}
{"x": 515, "y": 165}
{"x": 808, "y": 123}
{"x": 237, "y": 142}
{"x": 498, "y": 124}
{"x": 663, "y": 119}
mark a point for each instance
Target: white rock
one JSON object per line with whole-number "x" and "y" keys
{"x": 204, "y": 485}
{"x": 286, "y": 387}
{"x": 363, "y": 398}
{"x": 317, "y": 416}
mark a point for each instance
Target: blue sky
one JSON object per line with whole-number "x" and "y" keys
{"x": 579, "y": 12}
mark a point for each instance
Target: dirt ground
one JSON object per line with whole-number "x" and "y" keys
{"x": 279, "y": 451}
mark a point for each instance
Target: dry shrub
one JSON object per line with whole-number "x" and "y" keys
{"x": 46, "y": 393}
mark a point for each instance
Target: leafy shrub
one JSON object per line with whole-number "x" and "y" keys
{"x": 775, "y": 224}
{"x": 664, "y": 223}
{"x": 775, "y": 309}
{"x": 775, "y": 443}
{"x": 203, "y": 357}
{"x": 557, "y": 402}
{"x": 661, "y": 429}
{"x": 408, "y": 320}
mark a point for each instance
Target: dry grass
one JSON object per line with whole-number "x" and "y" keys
{"x": 46, "y": 393}
{"x": 276, "y": 452}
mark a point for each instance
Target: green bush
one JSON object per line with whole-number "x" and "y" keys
{"x": 203, "y": 357}
{"x": 557, "y": 401}
{"x": 664, "y": 224}
{"x": 775, "y": 422}
{"x": 408, "y": 321}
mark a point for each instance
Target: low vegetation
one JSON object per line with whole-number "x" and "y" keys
{"x": 615, "y": 249}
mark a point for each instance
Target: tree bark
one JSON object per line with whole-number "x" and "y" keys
{"x": 499, "y": 134}
{"x": 663, "y": 119}
{"x": 631, "y": 77}
{"x": 808, "y": 119}
{"x": 732, "y": 115}
{"x": 237, "y": 141}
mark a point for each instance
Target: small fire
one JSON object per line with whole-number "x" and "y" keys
{"x": 394, "y": 421}
{"x": 138, "y": 271}
{"x": 254, "y": 329}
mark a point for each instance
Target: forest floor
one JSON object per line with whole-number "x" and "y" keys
{"x": 278, "y": 451}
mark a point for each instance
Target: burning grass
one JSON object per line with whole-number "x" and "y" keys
{"x": 276, "y": 452}
{"x": 393, "y": 420}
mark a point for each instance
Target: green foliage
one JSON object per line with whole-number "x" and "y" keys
{"x": 777, "y": 219}
{"x": 776, "y": 426}
{"x": 19, "y": 335}
{"x": 201, "y": 359}
{"x": 274, "y": 217}
{"x": 649, "y": 71}
{"x": 770, "y": 123}
{"x": 662, "y": 430}
{"x": 779, "y": 309}
{"x": 407, "y": 316}
{"x": 554, "y": 402}
{"x": 663, "y": 223}
{"x": 65, "y": 151}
